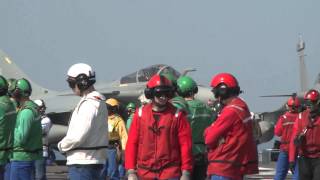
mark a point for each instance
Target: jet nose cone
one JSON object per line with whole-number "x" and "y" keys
{"x": 204, "y": 94}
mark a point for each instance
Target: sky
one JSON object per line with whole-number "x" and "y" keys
{"x": 253, "y": 39}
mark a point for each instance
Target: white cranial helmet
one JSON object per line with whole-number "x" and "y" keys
{"x": 80, "y": 68}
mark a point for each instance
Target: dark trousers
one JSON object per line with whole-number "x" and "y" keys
{"x": 309, "y": 168}
{"x": 199, "y": 172}
{"x": 2, "y": 167}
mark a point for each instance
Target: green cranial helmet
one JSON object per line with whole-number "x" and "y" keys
{"x": 131, "y": 106}
{"x": 3, "y": 85}
{"x": 186, "y": 86}
{"x": 22, "y": 88}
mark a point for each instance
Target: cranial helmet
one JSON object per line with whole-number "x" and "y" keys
{"x": 186, "y": 86}
{"x": 225, "y": 85}
{"x": 312, "y": 95}
{"x": 3, "y": 85}
{"x": 41, "y": 105}
{"x": 81, "y": 75}
{"x": 158, "y": 83}
{"x": 293, "y": 103}
{"x": 22, "y": 88}
{"x": 312, "y": 99}
{"x": 112, "y": 102}
{"x": 131, "y": 106}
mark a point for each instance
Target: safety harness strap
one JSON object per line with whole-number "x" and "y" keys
{"x": 234, "y": 163}
{"x": 89, "y": 148}
{"x": 157, "y": 170}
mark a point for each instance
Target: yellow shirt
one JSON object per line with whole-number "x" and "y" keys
{"x": 117, "y": 130}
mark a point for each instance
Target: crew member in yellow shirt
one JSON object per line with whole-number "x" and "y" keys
{"x": 118, "y": 137}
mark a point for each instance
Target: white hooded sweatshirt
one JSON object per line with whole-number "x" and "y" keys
{"x": 86, "y": 139}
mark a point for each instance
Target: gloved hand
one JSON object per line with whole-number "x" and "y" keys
{"x": 185, "y": 175}
{"x": 291, "y": 167}
{"x": 132, "y": 176}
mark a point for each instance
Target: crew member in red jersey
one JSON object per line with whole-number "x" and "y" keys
{"x": 232, "y": 151}
{"x": 283, "y": 129}
{"x": 159, "y": 145}
{"x": 305, "y": 139}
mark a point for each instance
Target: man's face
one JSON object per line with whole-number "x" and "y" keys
{"x": 312, "y": 105}
{"x": 162, "y": 97}
{"x": 73, "y": 85}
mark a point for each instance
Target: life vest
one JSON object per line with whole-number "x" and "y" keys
{"x": 159, "y": 150}
{"x": 287, "y": 123}
{"x": 310, "y": 146}
{"x": 236, "y": 154}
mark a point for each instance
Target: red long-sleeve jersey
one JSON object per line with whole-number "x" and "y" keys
{"x": 232, "y": 151}
{"x": 284, "y": 129}
{"x": 159, "y": 143}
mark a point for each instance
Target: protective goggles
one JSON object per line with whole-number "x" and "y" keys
{"x": 166, "y": 93}
{"x": 311, "y": 104}
{"x": 219, "y": 92}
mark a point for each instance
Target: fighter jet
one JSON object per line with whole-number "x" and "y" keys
{"x": 61, "y": 103}
{"x": 269, "y": 119}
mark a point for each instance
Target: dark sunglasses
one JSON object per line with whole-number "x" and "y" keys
{"x": 309, "y": 103}
{"x": 163, "y": 93}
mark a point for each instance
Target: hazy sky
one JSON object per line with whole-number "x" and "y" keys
{"x": 255, "y": 40}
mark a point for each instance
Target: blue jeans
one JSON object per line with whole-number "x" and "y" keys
{"x": 283, "y": 167}
{"x": 216, "y": 177}
{"x": 84, "y": 172}
{"x": 7, "y": 171}
{"x": 40, "y": 169}
{"x": 122, "y": 170}
{"x": 111, "y": 167}
{"x": 21, "y": 170}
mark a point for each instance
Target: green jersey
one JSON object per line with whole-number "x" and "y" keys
{"x": 129, "y": 121}
{"x": 7, "y": 122}
{"x": 27, "y": 133}
{"x": 200, "y": 117}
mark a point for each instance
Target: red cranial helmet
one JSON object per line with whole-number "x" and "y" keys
{"x": 293, "y": 101}
{"x": 158, "y": 83}
{"x": 224, "y": 78}
{"x": 312, "y": 95}
{"x": 225, "y": 85}
{"x": 293, "y": 104}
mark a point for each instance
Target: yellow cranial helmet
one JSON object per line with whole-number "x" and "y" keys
{"x": 112, "y": 102}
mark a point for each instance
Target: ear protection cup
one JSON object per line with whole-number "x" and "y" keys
{"x": 220, "y": 91}
{"x": 148, "y": 92}
{"x": 84, "y": 82}
{"x": 224, "y": 92}
{"x": 195, "y": 90}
